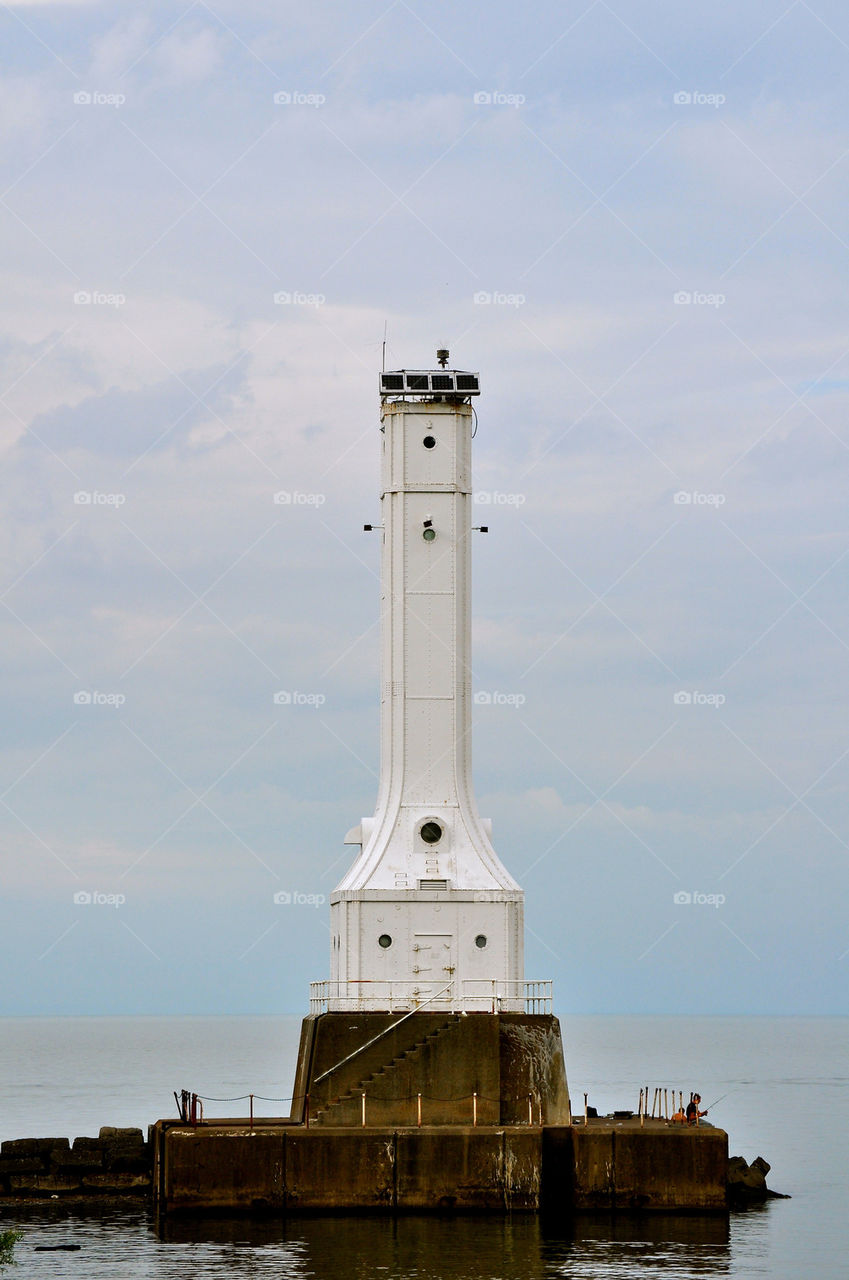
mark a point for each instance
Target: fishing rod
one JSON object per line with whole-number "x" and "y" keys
{"x": 722, "y": 1099}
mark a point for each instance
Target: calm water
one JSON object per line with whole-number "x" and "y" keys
{"x": 788, "y": 1087}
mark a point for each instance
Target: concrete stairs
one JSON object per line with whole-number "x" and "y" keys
{"x": 394, "y": 1082}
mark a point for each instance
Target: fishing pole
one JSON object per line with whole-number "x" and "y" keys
{"x": 724, "y": 1096}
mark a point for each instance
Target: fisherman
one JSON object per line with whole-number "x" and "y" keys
{"x": 693, "y": 1113}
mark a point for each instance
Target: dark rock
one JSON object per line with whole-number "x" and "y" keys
{"x": 32, "y": 1146}
{"x": 24, "y": 1164}
{"x": 118, "y": 1183}
{"x": 84, "y": 1159}
{"x": 130, "y": 1164}
{"x": 746, "y": 1183}
{"x": 43, "y": 1184}
{"x": 124, "y": 1137}
{"x": 88, "y": 1144}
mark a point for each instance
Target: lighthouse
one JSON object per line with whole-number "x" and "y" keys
{"x": 427, "y": 1011}
{"x": 427, "y": 913}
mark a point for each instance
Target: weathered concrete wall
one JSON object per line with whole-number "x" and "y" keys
{"x": 205, "y": 1168}
{"x": 532, "y": 1062}
{"x": 564, "y": 1169}
{"x": 117, "y": 1163}
{"x": 610, "y": 1166}
{"x": 447, "y": 1058}
{"x": 490, "y": 1169}
{"x": 358, "y": 1163}
{"x": 323, "y": 1168}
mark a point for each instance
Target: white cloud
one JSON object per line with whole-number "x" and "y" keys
{"x": 188, "y": 56}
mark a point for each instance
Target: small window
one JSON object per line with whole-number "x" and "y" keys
{"x": 480, "y": 941}
{"x": 384, "y": 941}
{"x": 431, "y": 832}
{"x": 429, "y": 442}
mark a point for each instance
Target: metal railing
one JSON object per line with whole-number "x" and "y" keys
{"x": 469, "y": 995}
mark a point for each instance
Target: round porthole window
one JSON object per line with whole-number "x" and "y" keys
{"x": 431, "y": 832}
{"x": 384, "y": 941}
{"x": 480, "y": 941}
{"x": 429, "y": 442}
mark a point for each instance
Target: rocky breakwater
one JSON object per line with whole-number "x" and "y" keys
{"x": 116, "y": 1163}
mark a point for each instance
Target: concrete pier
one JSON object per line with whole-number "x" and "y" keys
{"x": 280, "y": 1167}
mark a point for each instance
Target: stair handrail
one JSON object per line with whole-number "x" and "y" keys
{"x": 381, "y": 1034}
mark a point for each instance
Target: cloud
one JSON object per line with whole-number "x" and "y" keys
{"x": 197, "y": 398}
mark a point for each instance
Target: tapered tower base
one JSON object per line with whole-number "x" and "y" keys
{"x": 431, "y": 1069}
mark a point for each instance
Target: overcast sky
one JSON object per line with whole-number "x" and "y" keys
{"x": 630, "y": 217}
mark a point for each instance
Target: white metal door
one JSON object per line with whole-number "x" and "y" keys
{"x": 433, "y": 965}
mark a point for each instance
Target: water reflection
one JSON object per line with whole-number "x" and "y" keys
{"x": 126, "y": 1244}
{"x": 472, "y": 1248}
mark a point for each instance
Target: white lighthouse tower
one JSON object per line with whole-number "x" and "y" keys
{"x": 427, "y": 924}
{"x": 427, "y": 914}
